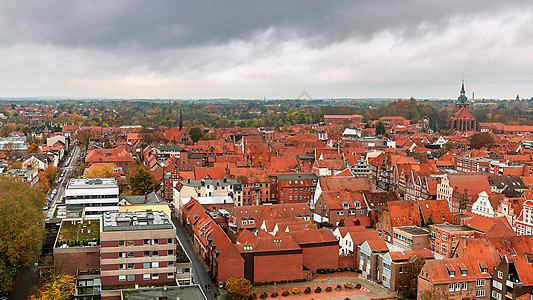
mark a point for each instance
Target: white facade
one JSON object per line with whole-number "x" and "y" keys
{"x": 95, "y": 195}
{"x": 444, "y": 191}
{"x": 482, "y": 206}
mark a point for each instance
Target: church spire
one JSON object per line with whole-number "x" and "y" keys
{"x": 463, "y": 88}
{"x": 181, "y": 121}
{"x": 462, "y": 100}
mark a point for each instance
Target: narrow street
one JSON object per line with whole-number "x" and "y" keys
{"x": 200, "y": 275}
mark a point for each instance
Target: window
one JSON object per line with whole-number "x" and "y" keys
{"x": 155, "y": 242}
{"x": 480, "y": 293}
{"x": 170, "y": 263}
{"x": 340, "y": 213}
{"x": 122, "y": 243}
{"x": 480, "y": 282}
{"x": 146, "y": 276}
{"x": 170, "y": 252}
{"x": 170, "y": 275}
{"x": 444, "y": 237}
{"x": 146, "y": 242}
{"x": 131, "y": 254}
{"x": 444, "y": 249}
{"x": 500, "y": 275}
{"x": 244, "y": 222}
{"x": 179, "y": 270}
{"x": 450, "y": 287}
{"x": 122, "y": 254}
{"x": 155, "y": 253}
{"x": 155, "y": 264}
{"x": 131, "y": 243}
{"x": 457, "y": 286}
{"x": 122, "y": 278}
{"x": 251, "y": 221}
{"x": 146, "y": 265}
{"x": 131, "y": 277}
{"x": 497, "y": 284}
{"x": 146, "y": 253}
{"x": 464, "y": 286}
{"x": 122, "y": 266}
{"x": 496, "y": 295}
{"x": 453, "y": 239}
{"x": 155, "y": 276}
{"x": 131, "y": 266}
{"x": 170, "y": 241}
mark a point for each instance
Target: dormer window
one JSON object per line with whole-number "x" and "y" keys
{"x": 357, "y": 204}
{"x": 244, "y": 222}
{"x": 345, "y": 205}
{"x": 251, "y": 221}
{"x": 248, "y": 248}
{"x": 451, "y": 270}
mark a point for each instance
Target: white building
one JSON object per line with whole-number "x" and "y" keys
{"x": 94, "y": 195}
{"x": 482, "y": 206}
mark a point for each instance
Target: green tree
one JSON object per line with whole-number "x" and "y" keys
{"x": 448, "y": 145}
{"x": 238, "y": 288}
{"x": 141, "y": 181}
{"x": 380, "y": 128}
{"x": 196, "y": 134}
{"x": 21, "y": 225}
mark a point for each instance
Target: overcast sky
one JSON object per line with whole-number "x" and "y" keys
{"x": 273, "y": 49}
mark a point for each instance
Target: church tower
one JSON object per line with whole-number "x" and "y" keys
{"x": 462, "y": 101}
{"x": 462, "y": 120}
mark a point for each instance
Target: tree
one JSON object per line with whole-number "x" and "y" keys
{"x": 43, "y": 182}
{"x": 100, "y": 171}
{"x": 408, "y": 280}
{"x": 108, "y": 145}
{"x": 50, "y": 173}
{"x": 448, "y": 145}
{"x": 481, "y": 139}
{"x": 380, "y": 128}
{"x": 141, "y": 181}
{"x": 21, "y": 225}
{"x": 56, "y": 286}
{"x": 9, "y": 149}
{"x": 16, "y": 165}
{"x": 196, "y": 134}
{"x": 238, "y": 288}
{"x": 33, "y": 148}
{"x": 223, "y": 123}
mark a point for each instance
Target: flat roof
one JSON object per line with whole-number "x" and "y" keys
{"x": 412, "y": 230}
{"x": 83, "y": 183}
{"x": 136, "y": 220}
{"x": 81, "y": 230}
{"x": 170, "y": 292}
{"x": 452, "y": 228}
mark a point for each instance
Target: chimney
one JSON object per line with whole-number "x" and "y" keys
{"x": 145, "y": 198}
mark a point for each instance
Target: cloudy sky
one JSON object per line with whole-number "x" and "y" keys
{"x": 274, "y": 49}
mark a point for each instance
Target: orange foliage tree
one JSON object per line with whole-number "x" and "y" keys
{"x": 56, "y": 287}
{"x": 238, "y": 288}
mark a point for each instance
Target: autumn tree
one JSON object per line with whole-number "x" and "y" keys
{"x": 429, "y": 294}
{"x": 238, "y": 288}
{"x": 43, "y": 182}
{"x": 33, "y": 148}
{"x": 55, "y": 286}
{"x": 380, "y": 128}
{"x": 448, "y": 145}
{"x": 481, "y": 139}
{"x": 141, "y": 181}
{"x": 50, "y": 173}
{"x": 16, "y": 165}
{"x": 21, "y": 225}
{"x": 196, "y": 134}
{"x": 408, "y": 279}
{"x": 9, "y": 149}
{"x": 100, "y": 171}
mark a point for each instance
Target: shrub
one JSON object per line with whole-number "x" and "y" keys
{"x": 274, "y": 295}
{"x": 322, "y": 271}
{"x": 331, "y": 270}
{"x": 307, "y": 290}
{"x": 358, "y": 286}
{"x": 348, "y": 286}
{"x": 285, "y": 293}
{"x": 295, "y": 291}
{"x": 339, "y": 287}
{"x": 254, "y": 296}
{"x": 318, "y": 290}
{"x": 340, "y": 270}
{"x": 263, "y": 295}
{"x": 328, "y": 289}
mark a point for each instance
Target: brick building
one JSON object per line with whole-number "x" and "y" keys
{"x": 138, "y": 248}
{"x": 293, "y": 187}
{"x": 446, "y": 237}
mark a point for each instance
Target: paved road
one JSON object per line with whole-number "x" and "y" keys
{"x": 69, "y": 170}
{"x": 200, "y": 275}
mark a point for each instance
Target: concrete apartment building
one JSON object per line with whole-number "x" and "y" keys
{"x": 141, "y": 248}
{"x": 94, "y": 195}
{"x": 411, "y": 237}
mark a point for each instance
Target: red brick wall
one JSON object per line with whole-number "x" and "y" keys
{"x": 278, "y": 267}
{"x": 347, "y": 261}
{"x": 321, "y": 257}
{"x": 228, "y": 268}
